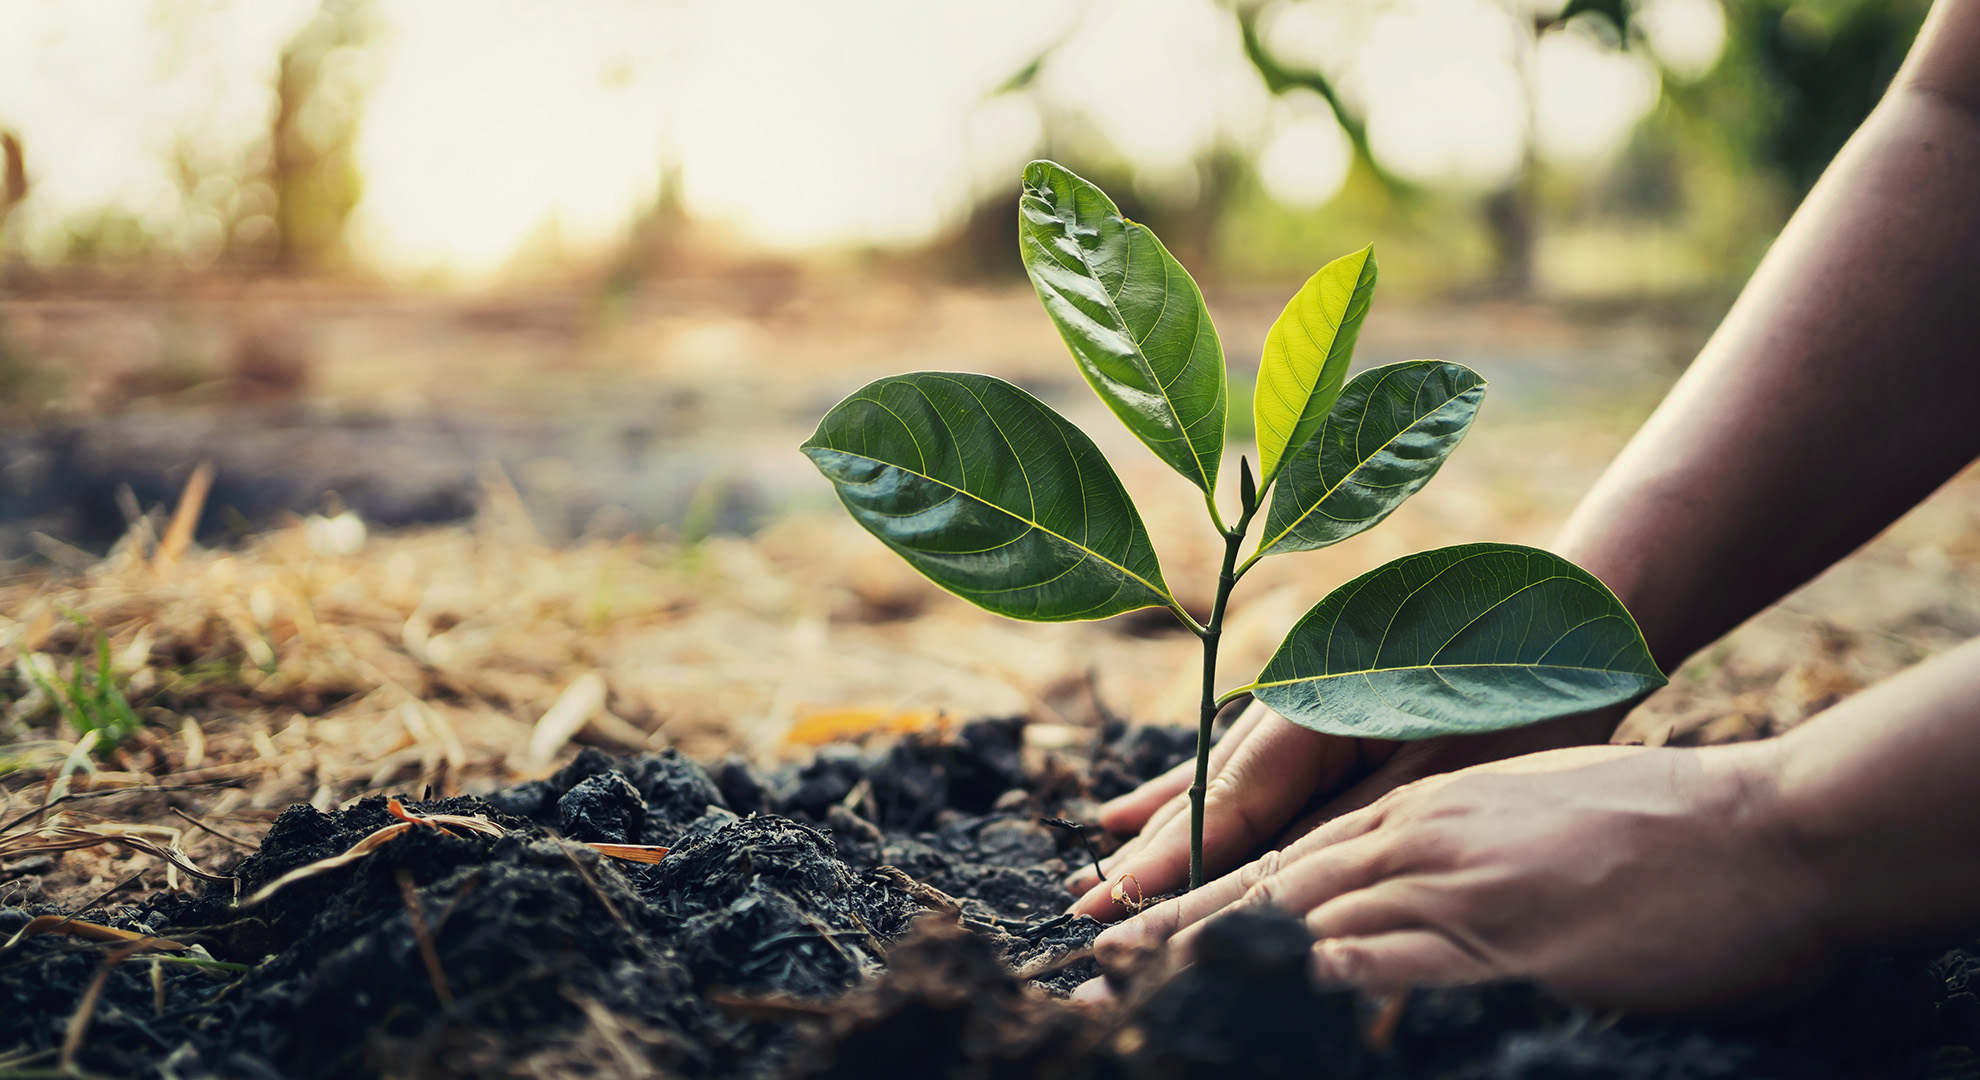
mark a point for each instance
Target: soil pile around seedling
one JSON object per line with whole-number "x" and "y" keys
{"x": 894, "y": 911}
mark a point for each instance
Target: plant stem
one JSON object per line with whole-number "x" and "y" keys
{"x": 1226, "y": 578}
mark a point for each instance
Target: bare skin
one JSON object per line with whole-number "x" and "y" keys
{"x": 1644, "y": 879}
{"x": 1833, "y": 398}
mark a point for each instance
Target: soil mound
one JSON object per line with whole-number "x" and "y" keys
{"x": 873, "y": 912}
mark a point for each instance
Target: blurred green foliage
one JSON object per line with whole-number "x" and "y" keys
{"x": 92, "y": 701}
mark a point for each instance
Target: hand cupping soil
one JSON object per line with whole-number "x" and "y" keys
{"x": 885, "y": 912}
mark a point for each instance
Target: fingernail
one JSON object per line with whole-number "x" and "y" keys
{"x": 1332, "y": 962}
{"x": 1093, "y": 990}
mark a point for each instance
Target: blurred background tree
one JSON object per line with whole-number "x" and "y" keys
{"x": 1588, "y": 148}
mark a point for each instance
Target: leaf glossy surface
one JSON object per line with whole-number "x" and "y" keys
{"x": 1460, "y": 639}
{"x": 1132, "y": 316}
{"x": 1306, "y": 357}
{"x": 1386, "y": 436}
{"x": 991, "y": 495}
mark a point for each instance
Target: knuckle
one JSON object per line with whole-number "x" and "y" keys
{"x": 1222, "y": 787}
{"x": 1265, "y": 866}
{"x": 1341, "y": 961}
{"x": 1267, "y": 891}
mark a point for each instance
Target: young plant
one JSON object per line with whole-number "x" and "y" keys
{"x": 1000, "y": 500}
{"x": 91, "y": 701}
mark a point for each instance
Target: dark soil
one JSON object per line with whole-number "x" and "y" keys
{"x": 872, "y": 913}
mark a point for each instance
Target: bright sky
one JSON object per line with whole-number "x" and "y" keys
{"x": 491, "y": 123}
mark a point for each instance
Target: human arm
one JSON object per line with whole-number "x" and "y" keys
{"x": 1834, "y": 396}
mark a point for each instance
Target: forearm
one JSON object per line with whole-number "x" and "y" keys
{"x": 1837, "y": 392}
{"x": 1876, "y": 798}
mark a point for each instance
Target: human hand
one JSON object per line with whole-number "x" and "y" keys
{"x": 1617, "y": 876}
{"x": 1262, "y": 772}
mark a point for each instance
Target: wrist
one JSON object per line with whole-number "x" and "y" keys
{"x": 1744, "y": 787}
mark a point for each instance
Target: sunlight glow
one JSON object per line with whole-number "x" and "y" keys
{"x": 1307, "y": 159}
{"x": 105, "y": 96}
{"x": 1587, "y": 97}
{"x": 1686, "y": 36}
{"x": 504, "y": 130}
{"x": 1446, "y": 104}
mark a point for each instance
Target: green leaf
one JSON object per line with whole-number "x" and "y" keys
{"x": 1460, "y": 639}
{"x": 991, "y": 494}
{"x": 1306, "y": 357}
{"x": 1131, "y": 315}
{"x": 1386, "y": 436}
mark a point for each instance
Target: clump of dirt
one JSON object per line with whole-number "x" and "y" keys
{"x": 886, "y": 911}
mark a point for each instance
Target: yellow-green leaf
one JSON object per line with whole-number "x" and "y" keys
{"x": 1306, "y": 357}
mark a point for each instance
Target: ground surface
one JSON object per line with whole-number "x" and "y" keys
{"x": 594, "y": 589}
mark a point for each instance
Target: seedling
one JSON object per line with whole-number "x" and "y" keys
{"x": 1000, "y": 500}
{"x": 91, "y": 701}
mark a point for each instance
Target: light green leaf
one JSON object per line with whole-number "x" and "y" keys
{"x": 1460, "y": 639}
{"x": 1131, "y": 315}
{"x": 1386, "y": 436}
{"x": 1306, "y": 357}
{"x": 991, "y": 494}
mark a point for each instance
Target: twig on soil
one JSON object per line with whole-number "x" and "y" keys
{"x": 460, "y": 894}
{"x": 474, "y": 823}
{"x": 1079, "y": 831}
{"x": 831, "y": 936}
{"x": 68, "y": 838}
{"x": 610, "y": 908}
{"x": 88, "y": 931}
{"x": 86, "y": 1009}
{"x": 767, "y": 1007}
{"x": 1120, "y": 894}
{"x": 185, "y": 516}
{"x": 416, "y": 915}
{"x": 1049, "y": 963}
{"x": 927, "y": 895}
{"x": 323, "y": 866}
{"x": 72, "y": 796}
{"x": 105, "y": 895}
{"x": 204, "y": 827}
{"x": 1382, "y": 1029}
{"x": 650, "y": 854}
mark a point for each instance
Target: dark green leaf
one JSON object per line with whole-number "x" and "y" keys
{"x": 1387, "y": 435}
{"x": 991, "y": 494}
{"x": 1131, "y": 315}
{"x": 1306, "y": 357}
{"x": 1461, "y": 639}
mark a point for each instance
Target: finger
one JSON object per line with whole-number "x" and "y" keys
{"x": 1382, "y": 907}
{"x": 1167, "y": 795}
{"x": 1301, "y": 884}
{"x": 1119, "y": 944}
{"x": 1327, "y": 833}
{"x": 1398, "y": 960}
{"x": 1176, "y": 781}
{"x": 1129, "y": 813}
{"x": 1132, "y": 812}
{"x": 1263, "y": 784}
